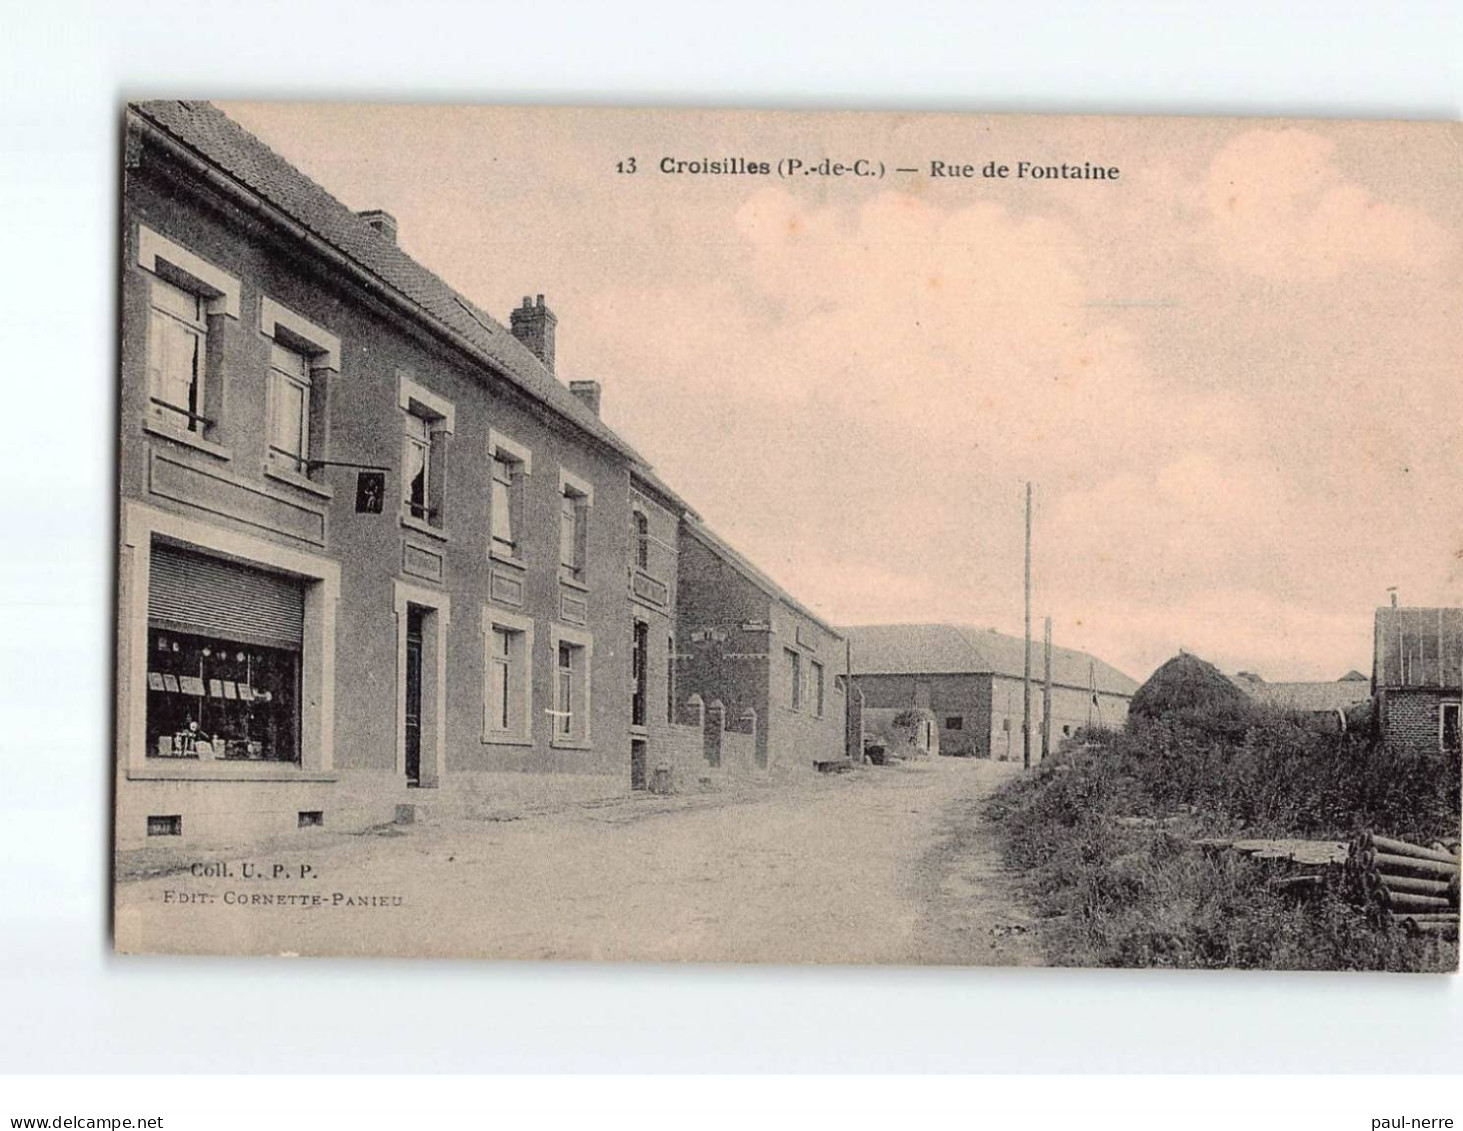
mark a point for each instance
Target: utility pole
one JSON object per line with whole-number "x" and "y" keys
{"x": 1046, "y": 698}
{"x": 1026, "y": 679}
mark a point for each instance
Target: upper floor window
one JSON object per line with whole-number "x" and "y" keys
{"x": 289, "y": 403}
{"x": 417, "y": 478}
{"x": 509, "y": 464}
{"x": 427, "y": 422}
{"x": 575, "y": 498}
{"x": 642, "y": 540}
{"x": 188, "y": 298}
{"x": 302, "y": 355}
{"x": 177, "y": 353}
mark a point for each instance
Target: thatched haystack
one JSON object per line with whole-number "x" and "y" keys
{"x": 1187, "y": 683}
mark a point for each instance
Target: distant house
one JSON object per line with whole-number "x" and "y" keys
{"x": 1332, "y": 697}
{"x": 757, "y": 659}
{"x": 971, "y": 679}
{"x": 1417, "y": 677}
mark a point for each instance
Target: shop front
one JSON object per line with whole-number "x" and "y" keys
{"x": 226, "y": 680}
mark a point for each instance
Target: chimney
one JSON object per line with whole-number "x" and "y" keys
{"x": 588, "y": 392}
{"x": 533, "y": 324}
{"x": 383, "y": 222}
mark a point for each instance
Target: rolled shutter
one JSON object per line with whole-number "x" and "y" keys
{"x": 190, "y": 592}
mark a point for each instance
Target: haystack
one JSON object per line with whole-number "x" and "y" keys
{"x": 1186, "y": 683}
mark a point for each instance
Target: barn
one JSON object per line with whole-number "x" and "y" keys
{"x": 971, "y": 679}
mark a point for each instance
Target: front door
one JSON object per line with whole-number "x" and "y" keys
{"x": 637, "y": 764}
{"x": 413, "y": 695}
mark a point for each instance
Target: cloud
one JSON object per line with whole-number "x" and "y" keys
{"x": 1279, "y": 207}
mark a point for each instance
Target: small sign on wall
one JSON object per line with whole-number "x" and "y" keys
{"x": 370, "y": 491}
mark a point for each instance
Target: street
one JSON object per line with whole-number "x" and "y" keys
{"x": 881, "y": 865}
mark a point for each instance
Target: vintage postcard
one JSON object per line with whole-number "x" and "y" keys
{"x": 771, "y": 537}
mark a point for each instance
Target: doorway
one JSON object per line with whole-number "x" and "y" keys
{"x": 637, "y": 764}
{"x": 412, "y": 715}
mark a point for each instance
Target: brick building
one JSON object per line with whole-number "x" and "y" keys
{"x": 372, "y": 550}
{"x": 971, "y": 679}
{"x": 758, "y": 660}
{"x": 1417, "y": 678}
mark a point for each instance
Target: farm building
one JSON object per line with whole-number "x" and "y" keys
{"x": 1417, "y": 677}
{"x": 971, "y": 679}
{"x": 1331, "y": 697}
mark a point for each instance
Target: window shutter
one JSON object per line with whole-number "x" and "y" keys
{"x": 581, "y": 533}
{"x": 191, "y": 592}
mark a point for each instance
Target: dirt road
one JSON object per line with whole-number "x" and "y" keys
{"x": 888, "y": 865}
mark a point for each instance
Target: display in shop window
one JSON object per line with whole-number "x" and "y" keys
{"x": 216, "y": 699}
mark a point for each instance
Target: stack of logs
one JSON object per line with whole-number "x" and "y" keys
{"x": 1416, "y": 886}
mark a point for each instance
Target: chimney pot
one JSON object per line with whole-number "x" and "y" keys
{"x": 589, "y": 392}
{"x": 382, "y": 221}
{"x": 533, "y": 325}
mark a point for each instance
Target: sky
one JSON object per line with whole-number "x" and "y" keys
{"x": 1231, "y": 373}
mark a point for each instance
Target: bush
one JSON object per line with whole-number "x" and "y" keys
{"x": 1138, "y": 897}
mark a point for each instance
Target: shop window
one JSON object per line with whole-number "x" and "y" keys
{"x": 793, "y": 667}
{"x": 212, "y": 699}
{"x": 817, "y": 677}
{"x": 507, "y": 705}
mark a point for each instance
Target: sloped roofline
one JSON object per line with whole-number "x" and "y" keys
{"x": 713, "y": 542}
{"x": 983, "y": 665}
{"x": 257, "y": 200}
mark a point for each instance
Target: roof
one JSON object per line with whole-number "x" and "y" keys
{"x": 213, "y": 136}
{"x": 642, "y": 475}
{"x": 951, "y": 649}
{"x": 734, "y": 558}
{"x": 1418, "y": 648}
{"x": 1325, "y": 695}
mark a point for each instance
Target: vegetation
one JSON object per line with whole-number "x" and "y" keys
{"x": 1119, "y": 895}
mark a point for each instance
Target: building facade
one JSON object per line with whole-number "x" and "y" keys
{"x": 371, "y": 549}
{"x": 1417, "y": 679}
{"x": 972, "y": 680}
{"x": 756, "y": 660}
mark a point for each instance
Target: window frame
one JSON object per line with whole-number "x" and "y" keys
{"x": 518, "y": 460}
{"x": 195, "y": 326}
{"x": 578, "y": 493}
{"x": 640, "y": 521}
{"x": 580, "y": 705}
{"x": 320, "y": 350}
{"x": 217, "y": 293}
{"x": 639, "y": 673}
{"x": 437, "y": 415}
{"x": 519, "y": 671}
{"x": 794, "y": 679}
{"x": 1444, "y": 707}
